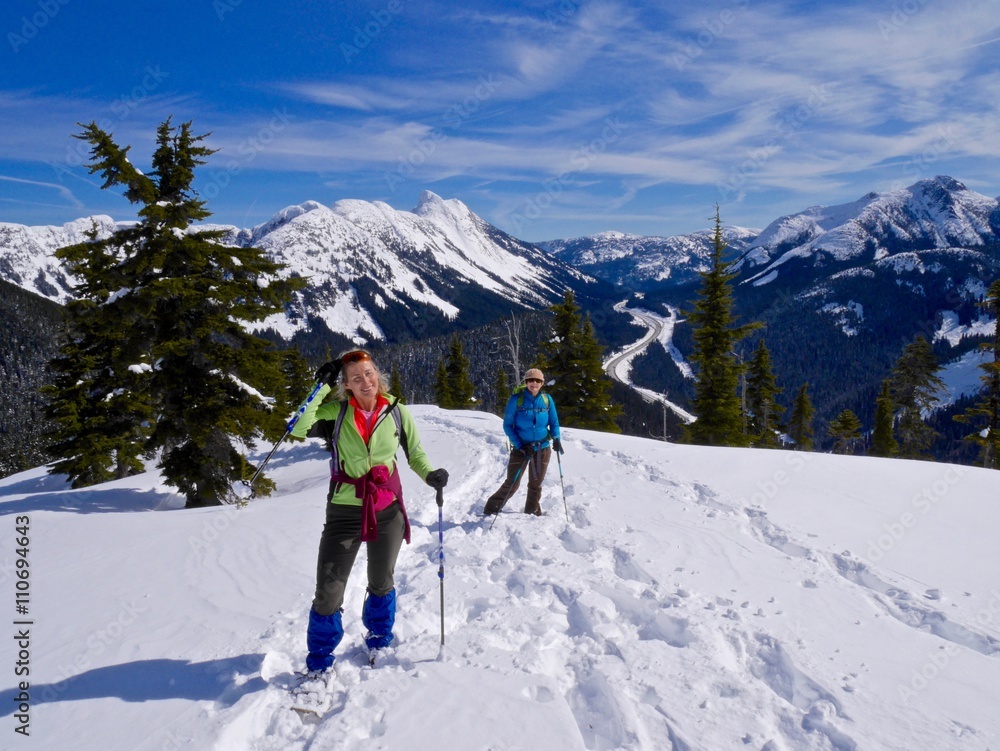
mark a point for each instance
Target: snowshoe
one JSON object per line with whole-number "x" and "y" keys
{"x": 313, "y": 693}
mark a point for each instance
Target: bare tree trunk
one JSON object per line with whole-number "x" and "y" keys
{"x": 515, "y": 328}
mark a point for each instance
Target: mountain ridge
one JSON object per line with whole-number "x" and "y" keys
{"x": 376, "y": 273}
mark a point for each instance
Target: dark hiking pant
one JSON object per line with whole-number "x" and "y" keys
{"x": 538, "y": 463}
{"x": 339, "y": 547}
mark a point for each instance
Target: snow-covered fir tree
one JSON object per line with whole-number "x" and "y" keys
{"x": 159, "y": 330}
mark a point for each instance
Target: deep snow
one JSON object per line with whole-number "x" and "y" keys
{"x": 698, "y": 598}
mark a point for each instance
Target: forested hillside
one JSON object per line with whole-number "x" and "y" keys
{"x": 29, "y": 332}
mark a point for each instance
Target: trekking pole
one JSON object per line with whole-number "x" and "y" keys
{"x": 513, "y": 485}
{"x": 243, "y": 489}
{"x": 563, "y": 486}
{"x": 440, "y": 503}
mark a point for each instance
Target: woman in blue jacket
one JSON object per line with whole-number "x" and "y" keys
{"x": 530, "y": 421}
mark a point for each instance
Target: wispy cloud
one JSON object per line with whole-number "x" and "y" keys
{"x": 627, "y": 107}
{"x": 62, "y": 190}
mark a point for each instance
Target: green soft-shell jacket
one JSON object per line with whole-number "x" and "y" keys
{"x": 357, "y": 459}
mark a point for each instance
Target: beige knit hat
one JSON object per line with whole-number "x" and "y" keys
{"x": 534, "y": 373}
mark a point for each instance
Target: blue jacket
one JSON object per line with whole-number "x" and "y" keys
{"x": 533, "y": 421}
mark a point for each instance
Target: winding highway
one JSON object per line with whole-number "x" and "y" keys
{"x": 619, "y": 365}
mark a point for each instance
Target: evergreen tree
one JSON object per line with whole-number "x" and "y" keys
{"x": 462, "y": 392}
{"x": 762, "y": 407}
{"x": 99, "y": 399}
{"x": 845, "y": 429}
{"x": 396, "y": 385}
{"x": 161, "y": 321}
{"x": 572, "y": 358}
{"x": 98, "y": 403}
{"x": 443, "y": 395}
{"x": 716, "y": 401}
{"x": 883, "y": 441}
{"x": 915, "y": 385}
{"x": 503, "y": 391}
{"x": 985, "y": 414}
{"x": 800, "y": 427}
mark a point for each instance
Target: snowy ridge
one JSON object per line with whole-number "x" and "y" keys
{"x": 644, "y": 262}
{"x": 697, "y": 599}
{"x": 361, "y": 259}
{"x": 26, "y": 253}
{"x": 936, "y": 213}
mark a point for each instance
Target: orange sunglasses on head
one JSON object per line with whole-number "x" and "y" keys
{"x": 358, "y": 355}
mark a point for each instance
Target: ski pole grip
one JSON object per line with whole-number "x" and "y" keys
{"x": 302, "y": 407}
{"x": 440, "y": 497}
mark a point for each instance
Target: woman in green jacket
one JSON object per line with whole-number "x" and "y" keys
{"x": 365, "y": 500}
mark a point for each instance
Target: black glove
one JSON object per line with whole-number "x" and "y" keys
{"x": 557, "y": 445}
{"x": 329, "y": 373}
{"x": 437, "y": 478}
{"x": 527, "y": 449}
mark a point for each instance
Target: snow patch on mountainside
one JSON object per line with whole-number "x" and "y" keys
{"x": 962, "y": 377}
{"x": 953, "y": 332}
{"x": 847, "y": 316}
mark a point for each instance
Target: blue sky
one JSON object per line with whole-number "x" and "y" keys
{"x": 549, "y": 119}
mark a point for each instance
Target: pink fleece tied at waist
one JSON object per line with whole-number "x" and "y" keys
{"x": 377, "y": 491}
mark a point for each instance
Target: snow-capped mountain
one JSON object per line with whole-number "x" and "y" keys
{"x": 375, "y": 273}
{"x": 926, "y": 253}
{"x": 932, "y": 214}
{"x": 26, "y": 253}
{"x": 644, "y": 262}
{"x": 841, "y": 289}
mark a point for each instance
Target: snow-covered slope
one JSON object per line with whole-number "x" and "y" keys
{"x": 644, "y": 262}
{"x": 697, "y": 598}
{"x": 369, "y": 265}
